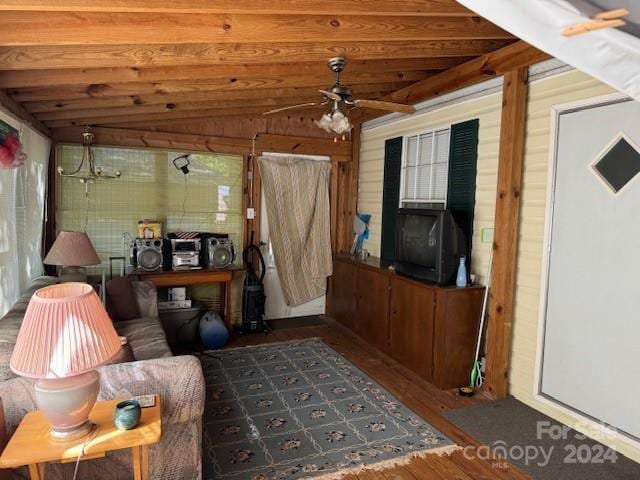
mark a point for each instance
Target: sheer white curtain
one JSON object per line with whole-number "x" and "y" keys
{"x": 22, "y": 200}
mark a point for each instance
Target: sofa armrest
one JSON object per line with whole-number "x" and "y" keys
{"x": 178, "y": 381}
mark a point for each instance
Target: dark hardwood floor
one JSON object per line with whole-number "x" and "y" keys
{"x": 419, "y": 395}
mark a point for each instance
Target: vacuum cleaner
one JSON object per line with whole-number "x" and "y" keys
{"x": 253, "y": 296}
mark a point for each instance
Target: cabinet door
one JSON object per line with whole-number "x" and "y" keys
{"x": 411, "y": 325}
{"x": 343, "y": 293}
{"x": 372, "y": 321}
{"x": 456, "y": 325}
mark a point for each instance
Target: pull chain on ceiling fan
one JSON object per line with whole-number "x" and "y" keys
{"x": 336, "y": 120}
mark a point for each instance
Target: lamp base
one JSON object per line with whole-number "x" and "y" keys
{"x": 73, "y": 274}
{"x": 67, "y": 402}
{"x": 77, "y": 433}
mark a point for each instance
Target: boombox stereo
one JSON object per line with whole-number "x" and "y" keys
{"x": 185, "y": 253}
{"x": 147, "y": 254}
{"x": 218, "y": 252}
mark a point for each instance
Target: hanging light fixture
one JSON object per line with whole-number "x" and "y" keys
{"x": 336, "y": 121}
{"x": 90, "y": 173}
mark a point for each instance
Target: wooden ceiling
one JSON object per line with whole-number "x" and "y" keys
{"x": 138, "y": 63}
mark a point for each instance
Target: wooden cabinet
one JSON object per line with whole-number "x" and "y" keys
{"x": 429, "y": 329}
{"x": 372, "y": 318}
{"x": 343, "y": 294}
{"x": 411, "y": 318}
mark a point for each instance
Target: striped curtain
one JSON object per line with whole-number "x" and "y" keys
{"x": 296, "y": 193}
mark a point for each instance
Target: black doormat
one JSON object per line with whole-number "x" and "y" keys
{"x": 539, "y": 445}
{"x": 295, "y": 322}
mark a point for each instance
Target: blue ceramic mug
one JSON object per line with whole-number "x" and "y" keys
{"x": 127, "y": 415}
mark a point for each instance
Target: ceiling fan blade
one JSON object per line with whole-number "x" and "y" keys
{"x": 301, "y": 105}
{"x": 331, "y": 95}
{"x": 389, "y": 106}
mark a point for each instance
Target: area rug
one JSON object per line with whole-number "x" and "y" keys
{"x": 301, "y": 410}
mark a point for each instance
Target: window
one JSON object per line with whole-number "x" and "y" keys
{"x": 208, "y": 199}
{"x": 22, "y": 199}
{"x": 425, "y": 167}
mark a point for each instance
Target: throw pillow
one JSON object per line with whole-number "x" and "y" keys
{"x": 121, "y": 300}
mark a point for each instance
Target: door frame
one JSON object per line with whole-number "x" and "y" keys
{"x": 585, "y": 423}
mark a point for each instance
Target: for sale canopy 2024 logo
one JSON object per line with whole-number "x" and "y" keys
{"x": 558, "y": 442}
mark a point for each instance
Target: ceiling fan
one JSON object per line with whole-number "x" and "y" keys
{"x": 342, "y": 101}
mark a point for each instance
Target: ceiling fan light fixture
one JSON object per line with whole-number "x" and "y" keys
{"x": 325, "y": 122}
{"x": 340, "y": 123}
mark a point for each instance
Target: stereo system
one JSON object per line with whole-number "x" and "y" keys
{"x": 185, "y": 253}
{"x": 150, "y": 255}
{"x": 218, "y": 252}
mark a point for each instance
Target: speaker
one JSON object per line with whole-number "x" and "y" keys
{"x": 149, "y": 254}
{"x": 219, "y": 252}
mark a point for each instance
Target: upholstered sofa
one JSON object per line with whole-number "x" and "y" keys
{"x": 178, "y": 381}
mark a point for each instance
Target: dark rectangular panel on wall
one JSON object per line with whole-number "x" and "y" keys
{"x": 463, "y": 160}
{"x": 390, "y": 196}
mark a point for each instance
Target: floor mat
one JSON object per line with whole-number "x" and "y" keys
{"x": 299, "y": 409}
{"x": 539, "y": 445}
{"x": 295, "y": 322}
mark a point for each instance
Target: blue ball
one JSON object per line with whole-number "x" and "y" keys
{"x": 213, "y": 332}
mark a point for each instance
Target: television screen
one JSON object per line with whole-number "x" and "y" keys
{"x": 428, "y": 244}
{"x": 419, "y": 234}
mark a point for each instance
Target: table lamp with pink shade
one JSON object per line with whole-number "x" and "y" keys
{"x": 66, "y": 333}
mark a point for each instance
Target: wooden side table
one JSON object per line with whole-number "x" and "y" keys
{"x": 30, "y": 444}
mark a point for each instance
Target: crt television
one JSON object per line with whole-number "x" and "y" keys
{"x": 428, "y": 245}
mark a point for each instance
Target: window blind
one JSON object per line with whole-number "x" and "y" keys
{"x": 22, "y": 199}
{"x": 425, "y": 167}
{"x": 209, "y": 198}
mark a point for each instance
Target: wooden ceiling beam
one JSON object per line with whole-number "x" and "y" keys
{"x": 279, "y": 7}
{"x": 130, "y": 56}
{"x": 87, "y": 76}
{"x": 207, "y": 96}
{"x": 267, "y": 103}
{"x": 184, "y": 114}
{"x": 160, "y": 124}
{"x": 340, "y": 150}
{"x": 88, "y": 28}
{"x": 487, "y": 66}
{"x": 232, "y": 84}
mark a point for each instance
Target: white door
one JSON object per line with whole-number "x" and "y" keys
{"x": 275, "y": 305}
{"x": 591, "y": 353}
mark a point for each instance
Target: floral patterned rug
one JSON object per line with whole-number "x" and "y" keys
{"x": 301, "y": 410}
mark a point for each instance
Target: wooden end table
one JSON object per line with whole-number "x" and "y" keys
{"x": 30, "y": 444}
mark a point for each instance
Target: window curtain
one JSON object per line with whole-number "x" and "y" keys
{"x": 296, "y": 193}
{"x": 22, "y": 200}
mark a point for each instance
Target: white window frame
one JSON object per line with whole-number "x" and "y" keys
{"x": 403, "y": 168}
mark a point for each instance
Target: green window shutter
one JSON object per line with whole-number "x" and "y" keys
{"x": 390, "y": 196}
{"x": 461, "y": 193}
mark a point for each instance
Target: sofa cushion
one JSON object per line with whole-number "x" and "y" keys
{"x": 146, "y": 337}
{"x": 121, "y": 300}
{"x": 147, "y": 297}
